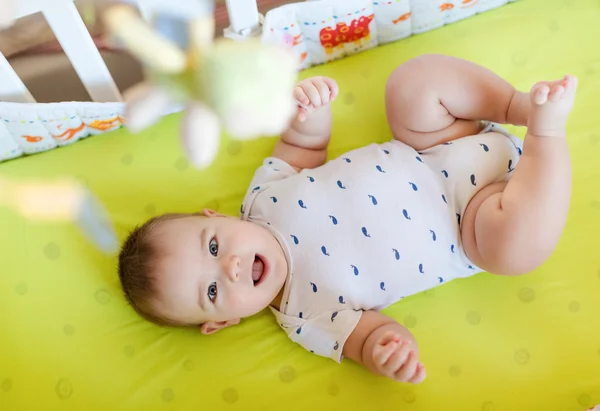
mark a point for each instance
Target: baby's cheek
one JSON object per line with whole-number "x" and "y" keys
{"x": 248, "y": 303}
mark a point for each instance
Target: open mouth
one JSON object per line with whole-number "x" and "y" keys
{"x": 260, "y": 269}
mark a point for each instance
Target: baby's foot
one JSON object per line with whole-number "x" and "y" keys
{"x": 551, "y": 103}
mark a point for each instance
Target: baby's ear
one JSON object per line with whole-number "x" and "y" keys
{"x": 207, "y": 212}
{"x": 211, "y": 327}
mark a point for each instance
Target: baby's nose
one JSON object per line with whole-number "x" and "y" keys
{"x": 232, "y": 268}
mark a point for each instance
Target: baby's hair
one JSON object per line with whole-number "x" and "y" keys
{"x": 137, "y": 260}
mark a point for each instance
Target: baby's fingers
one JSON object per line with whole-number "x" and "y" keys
{"x": 381, "y": 353}
{"x": 324, "y": 91}
{"x": 419, "y": 376}
{"x": 398, "y": 358}
{"x": 302, "y": 114}
{"x": 312, "y": 92}
{"x": 332, "y": 86}
{"x": 300, "y": 96}
{"x": 409, "y": 368}
{"x": 390, "y": 336}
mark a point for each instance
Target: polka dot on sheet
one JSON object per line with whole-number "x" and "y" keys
{"x": 519, "y": 58}
{"x": 6, "y": 385}
{"x": 102, "y": 296}
{"x": 127, "y": 159}
{"x": 68, "y": 329}
{"x": 473, "y": 317}
{"x": 408, "y": 396}
{"x": 594, "y": 138}
{"x": 454, "y": 370}
{"x": 585, "y": 400}
{"x": 129, "y": 351}
{"x": 64, "y": 389}
{"x": 230, "y": 395}
{"x": 574, "y": 306}
{"x": 348, "y": 98}
{"x": 592, "y": 68}
{"x": 150, "y": 209}
{"x": 522, "y": 356}
{"x": 188, "y": 365}
{"x": 526, "y": 294}
{"x": 182, "y": 164}
{"x": 333, "y": 390}
{"x": 52, "y": 251}
{"x": 554, "y": 26}
{"x": 410, "y": 321}
{"x": 21, "y": 289}
{"x": 287, "y": 374}
{"x": 488, "y": 406}
{"x": 168, "y": 395}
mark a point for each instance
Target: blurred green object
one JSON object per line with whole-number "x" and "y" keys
{"x": 244, "y": 88}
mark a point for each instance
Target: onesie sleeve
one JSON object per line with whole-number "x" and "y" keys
{"x": 272, "y": 169}
{"x": 324, "y": 334}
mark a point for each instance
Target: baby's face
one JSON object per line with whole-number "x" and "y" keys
{"x": 214, "y": 268}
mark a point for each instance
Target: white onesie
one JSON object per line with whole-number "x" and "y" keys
{"x": 375, "y": 225}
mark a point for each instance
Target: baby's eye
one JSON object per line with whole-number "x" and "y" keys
{"x": 212, "y": 292}
{"x": 213, "y": 247}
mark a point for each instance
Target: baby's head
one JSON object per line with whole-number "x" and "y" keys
{"x": 204, "y": 269}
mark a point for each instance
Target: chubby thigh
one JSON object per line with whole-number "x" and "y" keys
{"x": 474, "y": 168}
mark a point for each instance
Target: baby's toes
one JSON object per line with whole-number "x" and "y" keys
{"x": 556, "y": 93}
{"x": 539, "y": 93}
{"x": 570, "y": 84}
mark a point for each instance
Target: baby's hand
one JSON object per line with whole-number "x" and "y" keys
{"x": 314, "y": 93}
{"x": 394, "y": 358}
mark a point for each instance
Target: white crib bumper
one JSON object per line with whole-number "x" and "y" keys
{"x": 32, "y": 128}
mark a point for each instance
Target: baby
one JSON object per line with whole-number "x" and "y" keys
{"x": 327, "y": 244}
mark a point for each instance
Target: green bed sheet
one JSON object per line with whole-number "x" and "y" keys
{"x": 68, "y": 341}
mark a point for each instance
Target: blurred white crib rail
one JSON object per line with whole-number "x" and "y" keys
{"x": 70, "y": 31}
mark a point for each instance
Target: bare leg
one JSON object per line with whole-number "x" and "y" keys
{"x": 512, "y": 228}
{"x": 508, "y": 228}
{"x": 432, "y": 99}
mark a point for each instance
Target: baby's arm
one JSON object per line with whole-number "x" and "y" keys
{"x": 385, "y": 347}
{"x": 304, "y": 144}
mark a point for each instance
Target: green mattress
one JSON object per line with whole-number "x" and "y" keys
{"x": 69, "y": 342}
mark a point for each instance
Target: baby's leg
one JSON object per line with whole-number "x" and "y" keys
{"x": 432, "y": 99}
{"x": 512, "y": 228}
